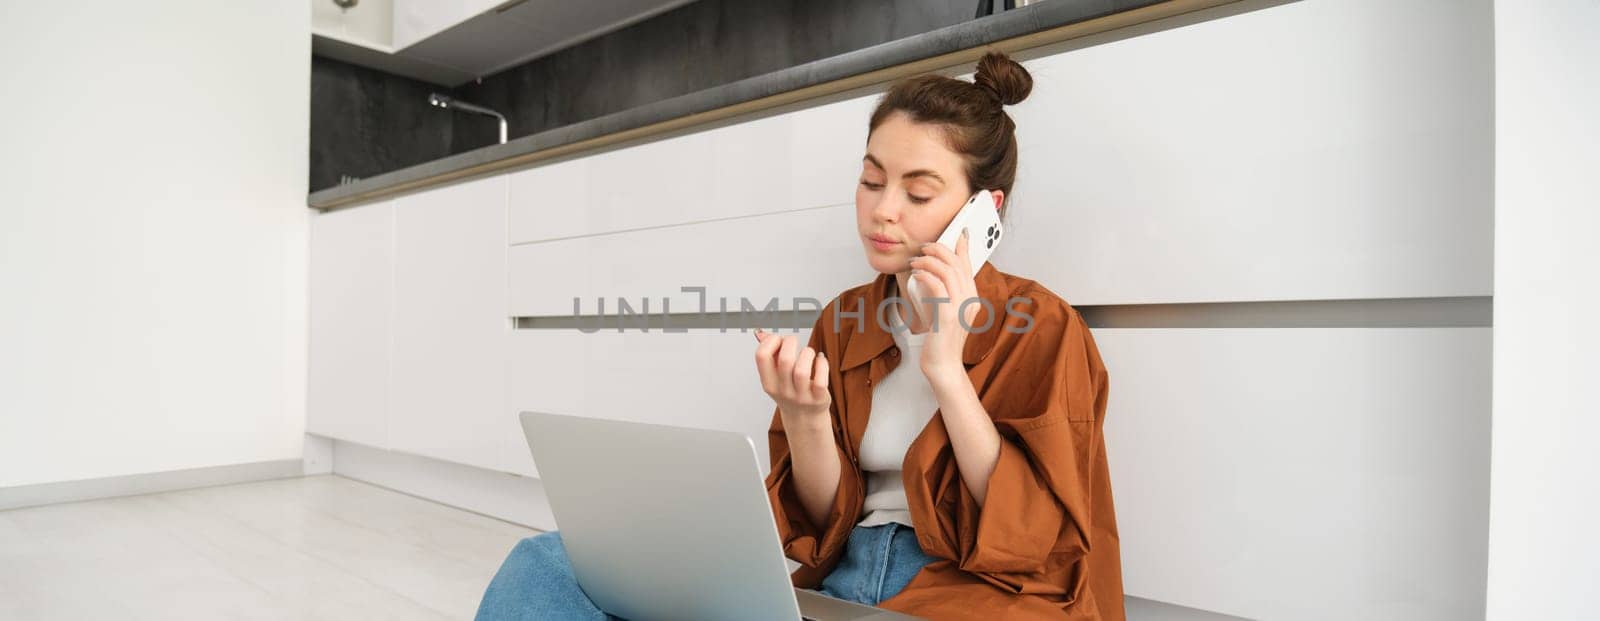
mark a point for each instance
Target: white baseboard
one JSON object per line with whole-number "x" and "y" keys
{"x": 502, "y": 495}
{"x": 147, "y": 483}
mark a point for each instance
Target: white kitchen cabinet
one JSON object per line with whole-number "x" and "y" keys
{"x": 1302, "y": 473}
{"x": 1177, "y": 167}
{"x": 1264, "y": 157}
{"x": 807, "y": 253}
{"x": 415, "y": 20}
{"x": 351, "y": 296}
{"x": 450, "y": 326}
{"x": 368, "y": 24}
{"x": 799, "y": 159}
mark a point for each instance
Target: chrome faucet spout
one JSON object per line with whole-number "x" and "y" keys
{"x": 447, "y": 102}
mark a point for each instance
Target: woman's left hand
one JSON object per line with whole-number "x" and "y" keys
{"x": 945, "y": 273}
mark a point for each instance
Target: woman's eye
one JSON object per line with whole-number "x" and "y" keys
{"x": 878, "y": 186}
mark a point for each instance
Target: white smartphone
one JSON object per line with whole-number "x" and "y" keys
{"x": 982, "y": 221}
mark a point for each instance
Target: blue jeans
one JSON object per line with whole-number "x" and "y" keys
{"x": 536, "y": 580}
{"x": 878, "y": 562}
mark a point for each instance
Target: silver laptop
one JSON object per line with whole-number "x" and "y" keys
{"x": 665, "y": 522}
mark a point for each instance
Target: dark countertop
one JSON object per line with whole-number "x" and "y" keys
{"x": 1048, "y": 15}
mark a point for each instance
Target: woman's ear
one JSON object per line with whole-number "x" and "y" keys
{"x": 999, "y": 198}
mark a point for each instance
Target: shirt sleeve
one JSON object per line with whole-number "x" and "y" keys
{"x": 817, "y": 547}
{"x": 1037, "y": 509}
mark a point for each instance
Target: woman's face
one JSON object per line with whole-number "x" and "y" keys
{"x": 910, "y": 188}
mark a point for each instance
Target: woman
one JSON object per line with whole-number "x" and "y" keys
{"x": 977, "y": 485}
{"x": 970, "y": 485}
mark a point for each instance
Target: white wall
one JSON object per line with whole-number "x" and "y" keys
{"x": 152, "y": 236}
{"x": 1544, "y": 547}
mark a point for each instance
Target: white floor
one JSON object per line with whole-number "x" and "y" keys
{"x": 317, "y": 547}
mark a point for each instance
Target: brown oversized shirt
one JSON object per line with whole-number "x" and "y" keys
{"x": 1044, "y": 544}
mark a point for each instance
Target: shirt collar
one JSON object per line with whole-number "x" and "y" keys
{"x": 866, "y": 338}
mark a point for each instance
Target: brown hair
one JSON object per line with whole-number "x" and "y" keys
{"x": 972, "y": 116}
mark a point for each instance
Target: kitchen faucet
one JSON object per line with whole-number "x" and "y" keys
{"x": 447, "y": 102}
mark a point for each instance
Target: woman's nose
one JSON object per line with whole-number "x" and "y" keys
{"x": 886, "y": 210}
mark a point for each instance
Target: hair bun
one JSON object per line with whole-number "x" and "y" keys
{"x": 1005, "y": 78}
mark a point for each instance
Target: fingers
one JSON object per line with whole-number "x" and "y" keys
{"x": 819, "y": 386}
{"x": 790, "y": 370}
{"x": 941, "y": 271}
{"x": 800, "y": 375}
{"x": 788, "y": 352}
{"x": 810, "y": 377}
{"x": 766, "y": 364}
{"x": 959, "y": 259}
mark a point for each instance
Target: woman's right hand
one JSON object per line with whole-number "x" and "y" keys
{"x": 796, "y": 377}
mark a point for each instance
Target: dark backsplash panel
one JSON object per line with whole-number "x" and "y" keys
{"x": 365, "y": 122}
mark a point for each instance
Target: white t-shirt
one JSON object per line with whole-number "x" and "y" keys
{"x": 902, "y": 404}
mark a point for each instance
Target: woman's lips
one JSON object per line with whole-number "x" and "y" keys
{"x": 881, "y": 244}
